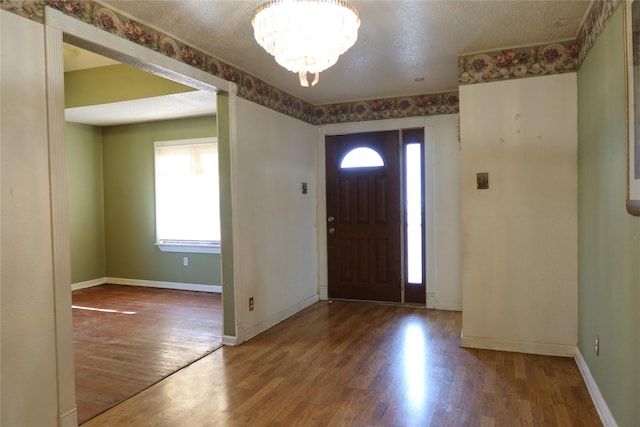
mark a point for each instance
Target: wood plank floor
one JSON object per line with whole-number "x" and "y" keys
{"x": 127, "y": 338}
{"x": 357, "y": 364}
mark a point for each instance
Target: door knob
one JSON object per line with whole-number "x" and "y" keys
{"x": 331, "y": 219}
{"x": 332, "y": 230}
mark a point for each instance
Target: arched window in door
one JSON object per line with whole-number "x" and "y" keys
{"x": 361, "y": 157}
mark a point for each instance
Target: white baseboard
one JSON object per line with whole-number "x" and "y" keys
{"x": 229, "y": 340}
{"x": 431, "y": 300}
{"x": 598, "y": 401}
{"x": 164, "y": 285}
{"x": 448, "y": 306}
{"x": 88, "y": 284}
{"x": 434, "y": 304}
{"x": 519, "y": 346}
{"x": 68, "y": 418}
{"x": 148, "y": 284}
{"x": 245, "y": 334}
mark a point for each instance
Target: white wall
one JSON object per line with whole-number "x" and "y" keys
{"x": 442, "y": 203}
{"x": 274, "y": 223}
{"x": 519, "y": 237}
{"x": 444, "y": 290}
{"x": 27, "y": 328}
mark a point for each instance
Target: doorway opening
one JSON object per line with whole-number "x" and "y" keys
{"x": 120, "y": 328}
{"x": 61, "y": 28}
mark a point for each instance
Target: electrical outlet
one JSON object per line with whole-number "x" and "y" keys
{"x": 596, "y": 345}
{"x": 185, "y": 261}
{"x": 251, "y": 304}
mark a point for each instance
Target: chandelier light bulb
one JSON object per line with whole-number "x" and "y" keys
{"x": 306, "y": 36}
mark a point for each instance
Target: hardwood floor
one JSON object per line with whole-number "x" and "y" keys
{"x": 357, "y": 364}
{"x": 127, "y": 338}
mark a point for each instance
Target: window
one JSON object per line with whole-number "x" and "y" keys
{"x": 361, "y": 157}
{"x": 413, "y": 208}
{"x": 187, "y": 198}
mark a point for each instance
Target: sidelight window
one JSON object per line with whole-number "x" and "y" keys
{"x": 413, "y": 208}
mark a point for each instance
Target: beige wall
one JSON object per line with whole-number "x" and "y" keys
{"x": 274, "y": 224}
{"x": 519, "y": 237}
{"x": 444, "y": 289}
{"x": 28, "y": 394}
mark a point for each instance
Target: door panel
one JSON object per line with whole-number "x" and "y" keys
{"x": 363, "y": 220}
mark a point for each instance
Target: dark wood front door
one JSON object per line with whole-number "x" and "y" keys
{"x": 363, "y": 219}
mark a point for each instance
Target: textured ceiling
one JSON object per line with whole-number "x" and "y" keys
{"x": 398, "y": 42}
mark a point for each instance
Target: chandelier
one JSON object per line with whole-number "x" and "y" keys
{"x": 306, "y": 36}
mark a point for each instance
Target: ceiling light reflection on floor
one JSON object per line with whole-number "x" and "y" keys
{"x": 414, "y": 365}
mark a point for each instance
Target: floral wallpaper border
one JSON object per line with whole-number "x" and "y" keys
{"x": 529, "y": 61}
{"x": 601, "y": 11}
{"x": 389, "y": 108}
{"x": 518, "y": 62}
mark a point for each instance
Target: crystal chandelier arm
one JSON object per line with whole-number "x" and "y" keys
{"x": 304, "y": 82}
{"x": 303, "y": 79}
{"x": 315, "y": 80}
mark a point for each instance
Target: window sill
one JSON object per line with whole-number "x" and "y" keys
{"x": 190, "y": 247}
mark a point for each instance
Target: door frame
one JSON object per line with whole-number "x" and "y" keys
{"x": 58, "y": 28}
{"x": 429, "y": 194}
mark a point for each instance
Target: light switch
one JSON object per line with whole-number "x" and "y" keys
{"x": 482, "y": 178}
{"x": 304, "y": 188}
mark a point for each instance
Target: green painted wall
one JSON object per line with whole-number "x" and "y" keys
{"x": 130, "y": 209}
{"x": 86, "y": 203}
{"x": 608, "y": 238}
{"x": 103, "y": 85}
